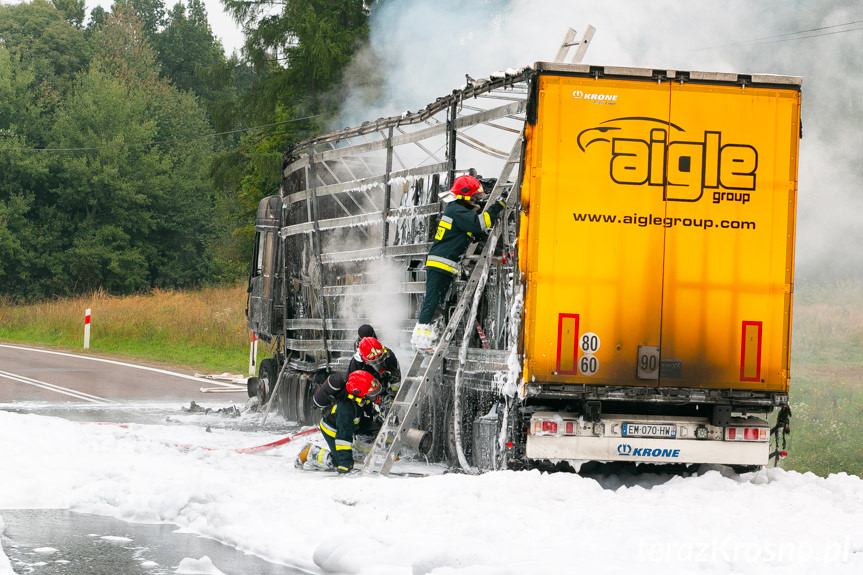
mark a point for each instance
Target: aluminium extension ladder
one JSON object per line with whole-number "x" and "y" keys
{"x": 416, "y": 383}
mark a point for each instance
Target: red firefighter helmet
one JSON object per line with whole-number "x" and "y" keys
{"x": 372, "y": 351}
{"x": 362, "y": 384}
{"x": 464, "y": 187}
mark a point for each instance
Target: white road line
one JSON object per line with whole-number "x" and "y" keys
{"x": 56, "y": 388}
{"x": 124, "y": 364}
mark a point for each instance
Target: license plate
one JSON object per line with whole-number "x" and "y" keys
{"x": 660, "y": 430}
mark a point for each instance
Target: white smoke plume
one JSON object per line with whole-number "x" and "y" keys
{"x": 422, "y": 49}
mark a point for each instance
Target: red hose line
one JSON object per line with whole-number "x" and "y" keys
{"x": 255, "y": 449}
{"x": 281, "y": 441}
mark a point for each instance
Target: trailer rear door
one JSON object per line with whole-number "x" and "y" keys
{"x": 657, "y": 236}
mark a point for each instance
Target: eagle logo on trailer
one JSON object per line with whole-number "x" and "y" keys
{"x": 654, "y": 152}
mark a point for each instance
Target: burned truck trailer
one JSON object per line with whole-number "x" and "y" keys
{"x": 633, "y": 303}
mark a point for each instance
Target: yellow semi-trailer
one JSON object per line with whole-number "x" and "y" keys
{"x": 632, "y": 303}
{"x": 657, "y": 248}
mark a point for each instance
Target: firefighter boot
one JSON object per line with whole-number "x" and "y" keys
{"x": 318, "y": 459}
{"x": 302, "y": 457}
{"x": 424, "y": 338}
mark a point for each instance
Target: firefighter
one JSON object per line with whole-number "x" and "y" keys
{"x": 339, "y": 424}
{"x": 364, "y": 330}
{"x": 373, "y": 357}
{"x": 460, "y": 223}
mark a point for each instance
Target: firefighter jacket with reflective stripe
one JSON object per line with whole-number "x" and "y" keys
{"x": 390, "y": 366}
{"x": 338, "y": 426}
{"x": 456, "y": 227}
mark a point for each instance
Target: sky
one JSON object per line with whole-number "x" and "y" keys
{"x": 157, "y": 471}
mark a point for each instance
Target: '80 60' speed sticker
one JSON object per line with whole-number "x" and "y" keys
{"x": 588, "y": 343}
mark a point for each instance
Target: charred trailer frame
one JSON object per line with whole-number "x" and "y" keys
{"x": 352, "y": 223}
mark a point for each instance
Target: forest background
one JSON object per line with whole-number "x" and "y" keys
{"x": 133, "y": 151}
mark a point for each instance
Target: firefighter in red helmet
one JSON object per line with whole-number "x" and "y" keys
{"x": 339, "y": 424}
{"x": 460, "y": 223}
{"x": 373, "y": 357}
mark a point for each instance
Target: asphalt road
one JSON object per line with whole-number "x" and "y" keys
{"x": 85, "y": 387}
{"x": 44, "y": 375}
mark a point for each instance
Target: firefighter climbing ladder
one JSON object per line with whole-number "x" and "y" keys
{"x": 415, "y": 386}
{"x": 423, "y": 368}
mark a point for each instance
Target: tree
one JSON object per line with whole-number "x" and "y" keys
{"x": 20, "y": 173}
{"x": 299, "y": 49}
{"x": 72, "y": 10}
{"x": 98, "y": 15}
{"x": 151, "y": 15}
{"x": 194, "y": 61}
{"x": 131, "y": 207}
{"x": 40, "y": 39}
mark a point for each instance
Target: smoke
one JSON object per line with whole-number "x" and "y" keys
{"x": 420, "y": 50}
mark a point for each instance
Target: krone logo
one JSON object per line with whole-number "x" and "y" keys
{"x": 624, "y": 449}
{"x": 579, "y": 95}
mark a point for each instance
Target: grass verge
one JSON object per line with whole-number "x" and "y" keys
{"x": 204, "y": 329}
{"x": 827, "y": 379}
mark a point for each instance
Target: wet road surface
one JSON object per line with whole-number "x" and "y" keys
{"x": 94, "y": 388}
{"x": 62, "y": 542}
{"x": 30, "y": 374}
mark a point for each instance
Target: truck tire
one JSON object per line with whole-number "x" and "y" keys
{"x": 268, "y": 373}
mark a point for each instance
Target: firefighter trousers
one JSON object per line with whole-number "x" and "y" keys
{"x": 437, "y": 284}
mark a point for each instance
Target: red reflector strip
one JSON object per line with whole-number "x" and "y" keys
{"x": 750, "y": 351}
{"x": 567, "y": 348}
{"x": 570, "y": 427}
{"x": 732, "y": 433}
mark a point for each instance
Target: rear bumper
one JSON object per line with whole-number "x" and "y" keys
{"x": 581, "y": 448}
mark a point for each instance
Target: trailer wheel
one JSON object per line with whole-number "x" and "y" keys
{"x": 268, "y": 372}
{"x": 252, "y": 386}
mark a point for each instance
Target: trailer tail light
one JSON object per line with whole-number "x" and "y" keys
{"x": 544, "y": 427}
{"x": 555, "y": 426}
{"x": 746, "y": 434}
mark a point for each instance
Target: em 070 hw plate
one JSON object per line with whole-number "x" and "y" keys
{"x": 660, "y": 430}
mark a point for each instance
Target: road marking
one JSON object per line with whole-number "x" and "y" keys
{"x": 122, "y": 363}
{"x": 57, "y": 388}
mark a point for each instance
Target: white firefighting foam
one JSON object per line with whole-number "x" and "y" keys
{"x": 773, "y": 521}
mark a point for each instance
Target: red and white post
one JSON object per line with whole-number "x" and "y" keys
{"x": 87, "y": 329}
{"x": 253, "y": 352}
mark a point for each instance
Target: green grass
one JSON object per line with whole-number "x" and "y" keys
{"x": 827, "y": 379}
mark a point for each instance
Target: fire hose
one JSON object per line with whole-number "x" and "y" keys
{"x": 254, "y": 449}
{"x": 258, "y": 448}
